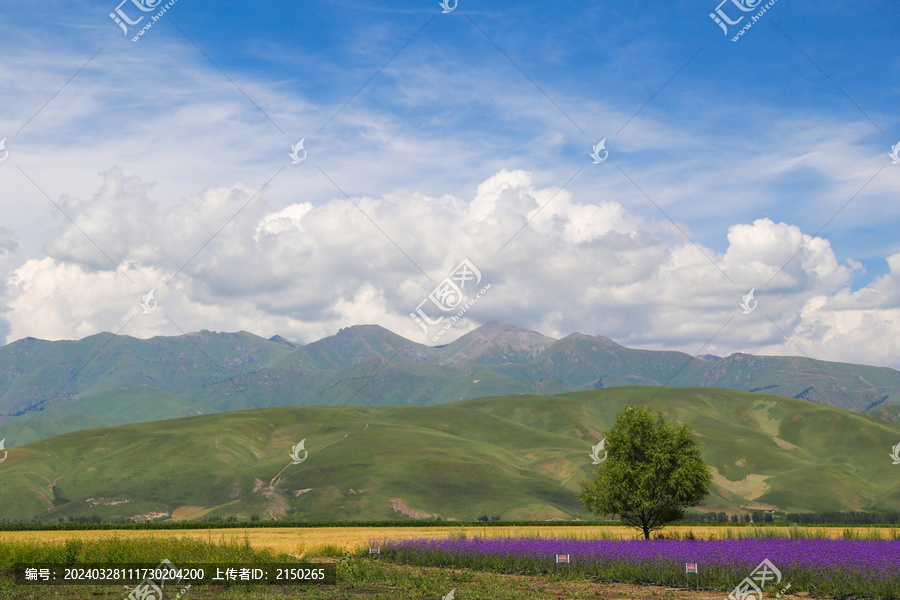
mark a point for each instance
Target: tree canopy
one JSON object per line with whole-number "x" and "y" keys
{"x": 652, "y": 473}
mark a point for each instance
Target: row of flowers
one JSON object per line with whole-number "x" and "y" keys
{"x": 831, "y": 568}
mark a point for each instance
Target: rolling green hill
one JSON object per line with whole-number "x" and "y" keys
{"x": 48, "y": 388}
{"x": 519, "y": 457}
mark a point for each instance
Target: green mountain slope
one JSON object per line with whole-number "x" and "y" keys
{"x": 855, "y": 387}
{"x": 584, "y": 362}
{"x": 37, "y": 373}
{"x": 520, "y": 457}
{"x": 119, "y": 406}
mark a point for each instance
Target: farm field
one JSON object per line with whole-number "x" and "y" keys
{"x": 829, "y": 568}
{"x": 358, "y": 576}
{"x": 304, "y": 541}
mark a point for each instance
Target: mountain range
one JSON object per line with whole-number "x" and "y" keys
{"x": 49, "y": 388}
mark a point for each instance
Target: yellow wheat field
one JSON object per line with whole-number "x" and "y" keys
{"x": 302, "y": 541}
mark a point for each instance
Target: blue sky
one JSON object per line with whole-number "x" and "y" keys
{"x": 434, "y": 138}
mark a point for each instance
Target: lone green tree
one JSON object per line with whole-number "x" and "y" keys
{"x": 652, "y": 472}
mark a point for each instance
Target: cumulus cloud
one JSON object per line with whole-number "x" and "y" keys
{"x": 224, "y": 259}
{"x": 861, "y": 326}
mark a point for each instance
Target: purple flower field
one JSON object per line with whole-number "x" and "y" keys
{"x": 830, "y": 568}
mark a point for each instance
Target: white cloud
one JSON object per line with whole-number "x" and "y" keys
{"x": 861, "y": 326}
{"x": 306, "y": 271}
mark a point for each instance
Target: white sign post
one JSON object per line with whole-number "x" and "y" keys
{"x": 691, "y": 568}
